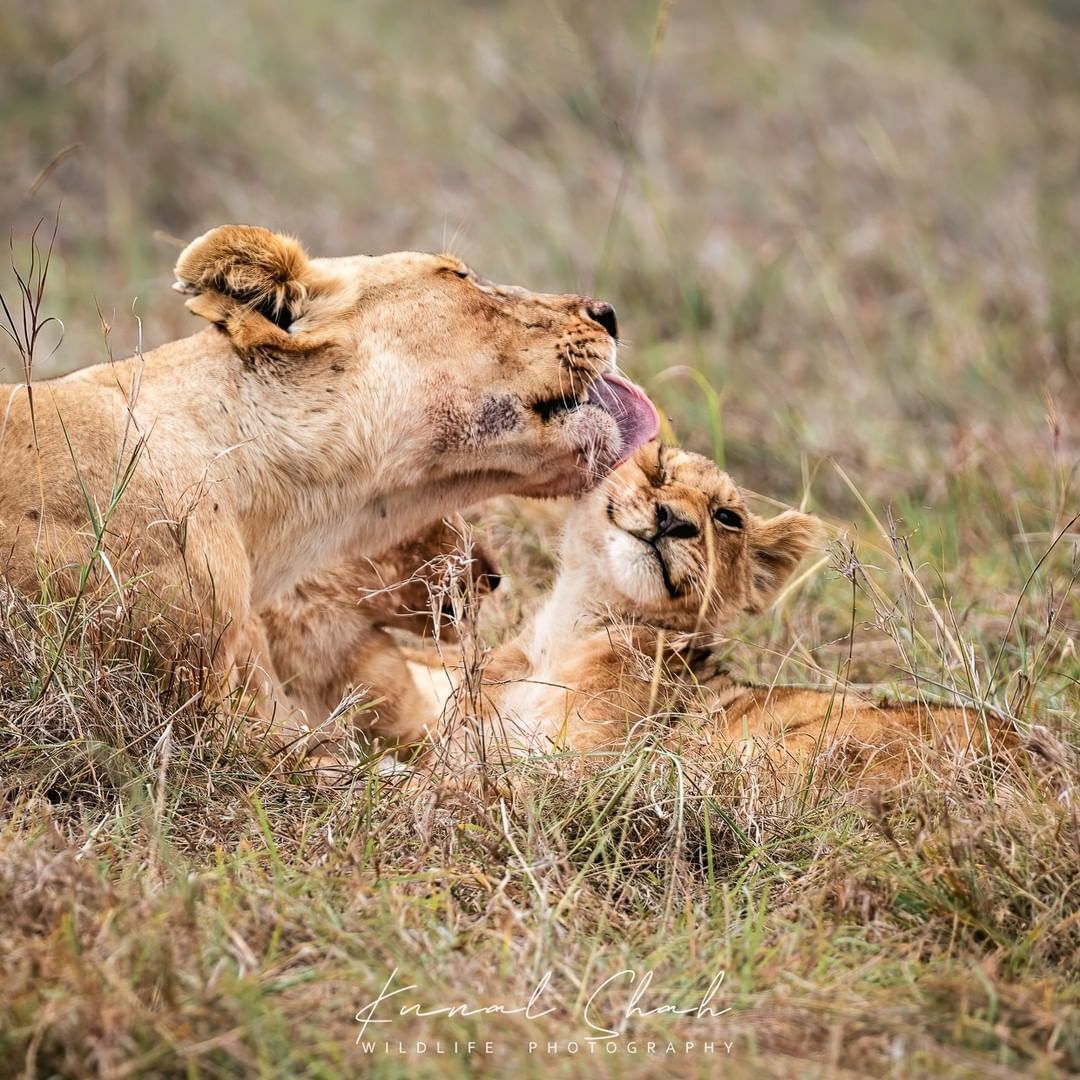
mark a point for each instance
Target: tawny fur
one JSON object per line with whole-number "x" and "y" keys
{"x": 616, "y": 652}
{"x": 267, "y": 271}
{"x": 333, "y": 635}
{"x": 334, "y": 408}
{"x": 847, "y": 729}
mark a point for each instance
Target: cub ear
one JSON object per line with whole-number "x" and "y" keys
{"x": 238, "y": 275}
{"x": 777, "y": 546}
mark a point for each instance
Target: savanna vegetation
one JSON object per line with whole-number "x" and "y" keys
{"x": 844, "y": 242}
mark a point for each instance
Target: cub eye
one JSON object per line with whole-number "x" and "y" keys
{"x": 728, "y": 518}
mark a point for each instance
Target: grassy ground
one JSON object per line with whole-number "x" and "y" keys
{"x": 844, "y": 241}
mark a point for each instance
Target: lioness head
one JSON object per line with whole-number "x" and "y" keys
{"x": 437, "y": 371}
{"x": 667, "y": 539}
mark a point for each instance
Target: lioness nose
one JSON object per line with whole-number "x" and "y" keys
{"x": 668, "y": 523}
{"x": 602, "y": 312}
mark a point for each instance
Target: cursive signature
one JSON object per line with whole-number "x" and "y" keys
{"x": 603, "y": 1019}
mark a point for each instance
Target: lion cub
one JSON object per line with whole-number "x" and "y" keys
{"x": 654, "y": 564}
{"x": 661, "y": 554}
{"x": 332, "y": 636}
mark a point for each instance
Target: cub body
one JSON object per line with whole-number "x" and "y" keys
{"x": 655, "y": 564}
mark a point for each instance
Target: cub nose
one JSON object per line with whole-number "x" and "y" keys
{"x": 490, "y": 579}
{"x": 602, "y": 312}
{"x": 668, "y": 523}
{"x": 484, "y": 570}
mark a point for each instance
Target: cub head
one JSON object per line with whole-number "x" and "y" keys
{"x": 422, "y": 360}
{"x": 667, "y": 539}
{"x": 425, "y": 584}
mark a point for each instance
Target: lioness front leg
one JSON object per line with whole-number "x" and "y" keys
{"x": 318, "y": 741}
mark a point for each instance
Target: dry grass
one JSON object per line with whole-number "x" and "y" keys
{"x": 859, "y": 225}
{"x": 171, "y": 910}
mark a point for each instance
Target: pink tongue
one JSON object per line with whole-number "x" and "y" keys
{"x": 631, "y": 410}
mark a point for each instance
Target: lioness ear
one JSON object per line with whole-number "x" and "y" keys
{"x": 777, "y": 546}
{"x": 236, "y": 274}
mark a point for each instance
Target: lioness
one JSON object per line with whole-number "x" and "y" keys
{"x": 654, "y": 563}
{"x": 333, "y": 405}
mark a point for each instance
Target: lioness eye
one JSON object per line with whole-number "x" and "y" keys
{"x": 728, "y": 518}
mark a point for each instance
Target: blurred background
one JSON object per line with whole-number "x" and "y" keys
{"x": 835, "y": 231}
